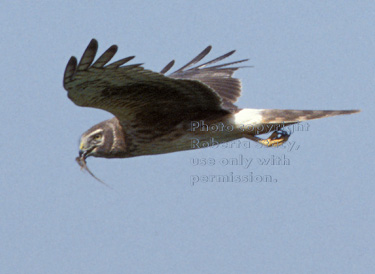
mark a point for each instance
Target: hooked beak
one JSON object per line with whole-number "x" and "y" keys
{"x": 82, "y": 153}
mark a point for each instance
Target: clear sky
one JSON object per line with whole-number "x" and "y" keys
{"x": 317, "y": 216}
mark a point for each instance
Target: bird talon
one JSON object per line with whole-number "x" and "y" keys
{"x": 280, "y": 134}
{"x": 277, "y": 138}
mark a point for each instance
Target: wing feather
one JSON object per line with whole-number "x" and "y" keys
{"x": 219, "y": 77}
{"x": 140, "y": 98}
{"x": 70, "y": 69}
{"x": 88, "y": 56}
{"x": 167, "y": 67}
{"x": 119, "y": 63}
{"x": 217, "y": 59}
{"x": 196, "y": 59}
{"x": 105, "y": 57}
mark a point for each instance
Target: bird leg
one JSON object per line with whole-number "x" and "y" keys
{"x": 276, "y": 139}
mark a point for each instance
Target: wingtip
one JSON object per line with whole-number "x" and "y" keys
{"x": 72, "y": 59}
{"x": 70, "y": 69}
{"x": 167, "y": 67}
{"x": 88, "y": 55}
{"x": 206, "y": 51}
{"x": 93, "y": 42}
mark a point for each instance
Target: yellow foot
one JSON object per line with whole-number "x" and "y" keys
{"x": 276, "y": 139}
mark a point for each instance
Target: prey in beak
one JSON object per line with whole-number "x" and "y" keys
{"x": 81, "y": 160}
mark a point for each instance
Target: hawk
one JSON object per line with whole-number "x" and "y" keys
{"x": 155, "y": 113}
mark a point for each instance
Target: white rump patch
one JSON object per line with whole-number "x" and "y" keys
{"x": 247, "y": 116}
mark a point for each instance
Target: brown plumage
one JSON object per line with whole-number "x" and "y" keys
{"x": 155, "y": 113}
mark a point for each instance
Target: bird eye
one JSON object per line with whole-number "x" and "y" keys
{"x": 97, "y": 136}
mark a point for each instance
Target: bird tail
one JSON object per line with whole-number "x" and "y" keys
{"x": 259, "y": 118}
{"x": 295, "y": 116}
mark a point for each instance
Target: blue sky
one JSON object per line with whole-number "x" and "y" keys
{"x": 318, "y": 217}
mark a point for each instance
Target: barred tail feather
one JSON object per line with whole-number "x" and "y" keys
{"x": 293, "y": 116}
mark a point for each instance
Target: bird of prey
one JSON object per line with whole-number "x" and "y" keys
{"x": 155, "y": 113}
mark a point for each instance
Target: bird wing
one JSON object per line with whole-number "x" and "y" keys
{"x": 218, "y": 77}
{"x": 140, "y": 97}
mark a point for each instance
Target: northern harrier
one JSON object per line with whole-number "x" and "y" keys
{"x": 157, "y": 114}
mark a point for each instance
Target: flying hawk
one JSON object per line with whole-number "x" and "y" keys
{"x": 156, "y": 114}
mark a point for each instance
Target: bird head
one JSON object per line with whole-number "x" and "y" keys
{"x": 91, "y": 144}
{"x": 97, "y": 141}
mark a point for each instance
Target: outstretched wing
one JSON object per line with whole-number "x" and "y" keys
{"x": 142, "y": 98}
{"x": 218, "y": 77}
